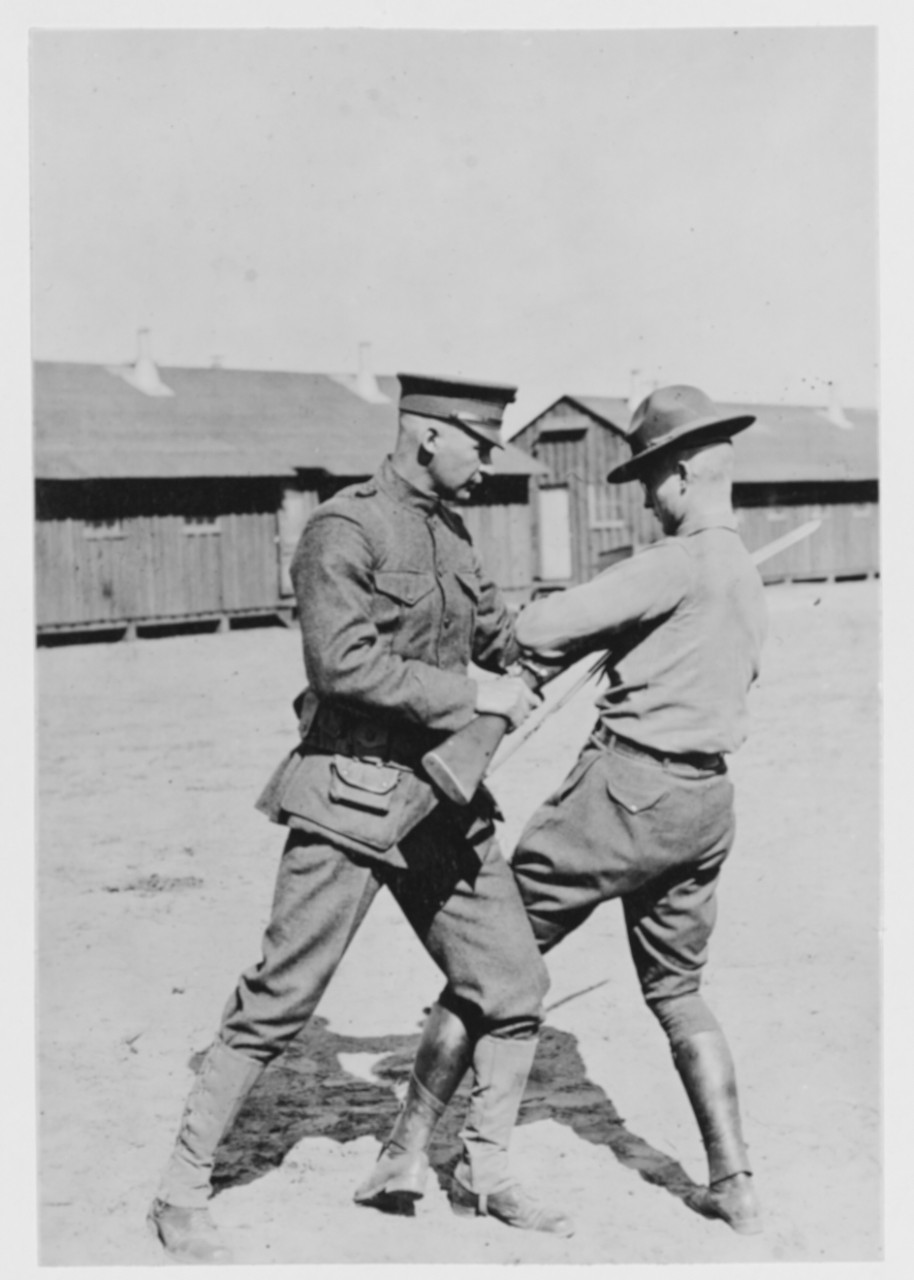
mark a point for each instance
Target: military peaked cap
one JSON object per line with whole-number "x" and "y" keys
{"x": 477, "y": 407}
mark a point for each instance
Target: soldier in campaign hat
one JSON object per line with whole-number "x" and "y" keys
{"x": 394, "y": 605}
{"x": 674, "y": 416}
{"x": 646, "y": 814}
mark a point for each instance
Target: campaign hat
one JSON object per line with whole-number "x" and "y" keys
{"x": 477, "y": 407}
{"x": 674, "y": 416}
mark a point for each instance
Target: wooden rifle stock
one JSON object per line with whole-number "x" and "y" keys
{"x": 458, "y": 765}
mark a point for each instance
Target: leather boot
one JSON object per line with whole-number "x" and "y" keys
{"x": 398, "y": 1179}
{"x": 188, "y": 1235}
{"x": 706, "y": 1068}
{"x": 178, "y": 1215}
{"x": 482, "y": 1184}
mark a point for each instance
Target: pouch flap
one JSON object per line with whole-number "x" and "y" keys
{"x": 367, "y": 811}
{"x": 635, "y": 786}
{"x": 364, "y": 775}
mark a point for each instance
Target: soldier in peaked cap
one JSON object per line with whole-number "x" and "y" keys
{"x": 394, "y": 605}
{"x": 646, "y": 813}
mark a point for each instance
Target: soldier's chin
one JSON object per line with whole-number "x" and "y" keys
{"x": 466, "y": 491}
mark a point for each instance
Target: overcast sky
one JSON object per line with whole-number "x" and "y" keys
{"x": 548, "y": 208}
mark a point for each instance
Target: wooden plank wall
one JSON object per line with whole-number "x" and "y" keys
{"x": 294, "y": 512}
{"x": 845, "y": 545}
{"x": 250, "y": 560}
{"x": 156, "y": 567}
{"x": 603, "y": 517}
{"x": 503, "y": 535}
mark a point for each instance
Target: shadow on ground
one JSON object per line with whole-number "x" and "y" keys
{"x": 309, "y": 1093}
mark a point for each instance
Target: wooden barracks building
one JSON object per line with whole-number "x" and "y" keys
{"x": 793, "y": 464}
{"x": 178, "y": 495}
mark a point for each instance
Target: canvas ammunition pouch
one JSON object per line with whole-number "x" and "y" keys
{"x": 360, "y": 806}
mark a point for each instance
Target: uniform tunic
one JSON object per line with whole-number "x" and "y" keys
{"x": 393, "y": 605}
{"x": 646, "y": 814}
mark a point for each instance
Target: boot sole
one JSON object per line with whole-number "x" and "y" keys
{"x": 391, "y": 1200}
{"x": 406, "y": 1184}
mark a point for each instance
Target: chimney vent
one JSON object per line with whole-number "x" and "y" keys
{"x": 834, "y": 413}
{"x": 366, "y": 384}
{"x": 143, "y": 375}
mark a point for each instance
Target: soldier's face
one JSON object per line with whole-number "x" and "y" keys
{"x": 458, "y": 462}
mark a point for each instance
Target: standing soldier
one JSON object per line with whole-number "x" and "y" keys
{"x": 393, "y": 605}
{"x": 646, "y": 814}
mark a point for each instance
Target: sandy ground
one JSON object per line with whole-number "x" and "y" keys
{"x": 155, "y": 878}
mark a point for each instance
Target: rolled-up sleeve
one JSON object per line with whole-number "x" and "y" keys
{"x": 346, "y": 659}
{"x": 645, "y": 587}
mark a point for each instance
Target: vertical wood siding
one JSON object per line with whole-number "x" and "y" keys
{"x": 603, "y": 517}
{"x": 297, "y": 506}
{"x": 250, "y": 560}
{"x": 158, "y": 569}
{"x": 845, "y": 545}
{"x": 502, "y": 533}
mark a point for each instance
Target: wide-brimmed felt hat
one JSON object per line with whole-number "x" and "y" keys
{"x": 674, "y": 416}
{"x": 477, "y": 407}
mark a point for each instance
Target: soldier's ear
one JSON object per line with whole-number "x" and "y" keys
{"x": 429, "y": 437}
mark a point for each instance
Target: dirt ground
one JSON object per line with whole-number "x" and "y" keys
{"x": 155, "y": 877}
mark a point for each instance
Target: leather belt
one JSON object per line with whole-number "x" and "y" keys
{"x": 362, "y": 737}
{"x": 694, "y": 760}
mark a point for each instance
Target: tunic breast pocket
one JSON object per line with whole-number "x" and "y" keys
{"x": 402, "y": 598}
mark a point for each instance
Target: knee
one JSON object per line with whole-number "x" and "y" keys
{"x": 539, "y": 983}
{"x": 259, "y": 1026}
{"x": 515, "y": 998}
{"x": 261, "y": 1042}
{"x": 533, "y": 988}
{"x": 523, "y": 991}
{"x": 538, "y": 980}
{"x": 683, "y": 1016}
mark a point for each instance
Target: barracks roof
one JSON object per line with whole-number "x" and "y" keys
{"x": 786, "y": 443}
{"x": 92, "y": 424}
